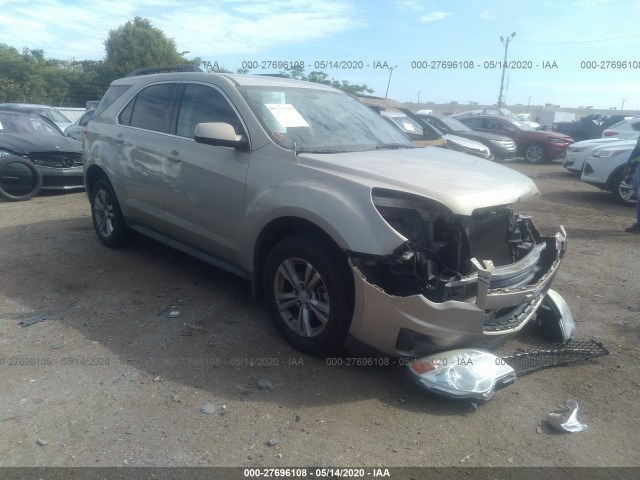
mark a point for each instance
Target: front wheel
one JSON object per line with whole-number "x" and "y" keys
{"x": 535, "y": 153}
{"x": 623, "y": 188}
{"x": 108, "y": 220}
{"x": 308, "y": 288}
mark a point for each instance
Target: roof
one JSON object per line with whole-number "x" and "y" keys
{"x": 237, "y": 79}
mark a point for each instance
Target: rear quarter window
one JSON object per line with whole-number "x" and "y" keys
{"x": 111, "y": 95}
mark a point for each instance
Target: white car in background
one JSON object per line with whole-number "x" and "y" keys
{"x": 627, "y": 128}
{"x": 605, "y": 169}
{"x": 578, "y": 152}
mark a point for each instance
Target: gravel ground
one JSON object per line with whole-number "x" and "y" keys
{"x": 138, "y": 342}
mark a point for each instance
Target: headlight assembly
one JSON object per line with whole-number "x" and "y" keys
{"x": 462, "y": 374}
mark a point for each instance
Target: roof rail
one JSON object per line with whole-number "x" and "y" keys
{"x": 165, "y": 69}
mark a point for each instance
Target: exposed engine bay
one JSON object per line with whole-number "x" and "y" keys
{"x": 442, "y": 255}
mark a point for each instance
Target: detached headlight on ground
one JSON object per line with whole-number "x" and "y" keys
{"x": 465, "y": 373}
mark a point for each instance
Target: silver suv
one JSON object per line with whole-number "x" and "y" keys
{"x": 353, "y": 237}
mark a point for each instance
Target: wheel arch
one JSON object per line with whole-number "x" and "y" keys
{"x": 612, "y": 176}
{"x": 272, "y": 233}
{"x": 92, "y": 175}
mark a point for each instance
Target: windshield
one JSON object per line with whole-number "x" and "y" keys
{"x": 453, "y": 124}
{"x": 26, "y": 124}
{"x": 403, "y": 122}
{"x": 320, "y": 121}
{"x": 53, "y": 115}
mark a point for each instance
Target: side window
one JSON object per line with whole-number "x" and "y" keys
{"x": 151, "y": 109}
{"x": 473, "y": 122}
{"x": 636, "y": 126}
{"x": 495, "y": 125}
{"x": 200, "y": 104}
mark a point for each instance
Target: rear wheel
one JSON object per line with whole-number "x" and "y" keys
{"x": 308, "y": 288}
{"x": 623, "y": 188}
{"x": 535, "y": 153}
{"x": 108, "y": 220}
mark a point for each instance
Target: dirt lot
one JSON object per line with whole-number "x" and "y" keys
{"x": 113, "y": 378}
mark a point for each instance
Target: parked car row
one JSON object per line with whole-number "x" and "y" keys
{"x": 535, "y": 146}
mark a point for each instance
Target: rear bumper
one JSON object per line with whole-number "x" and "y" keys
{"x": 413, "y": 325}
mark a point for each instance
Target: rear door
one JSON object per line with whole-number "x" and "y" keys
{"x": 146, "y": 122}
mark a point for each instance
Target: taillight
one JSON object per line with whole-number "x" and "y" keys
{"x": 609, "y": 133}
{"x": 84, "y": 136}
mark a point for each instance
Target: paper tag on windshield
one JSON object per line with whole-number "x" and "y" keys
{"x": 408, "y": 126}
{"x": 286, "y": 115}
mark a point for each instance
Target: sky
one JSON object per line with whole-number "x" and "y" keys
{"x": 573, "y": 53}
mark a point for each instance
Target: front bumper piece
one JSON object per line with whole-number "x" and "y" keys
{"x": 507, "y": 298}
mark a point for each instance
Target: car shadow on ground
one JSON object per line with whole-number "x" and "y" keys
{"x": 171, "y": 316}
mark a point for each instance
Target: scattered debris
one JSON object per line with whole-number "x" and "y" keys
{"x": 467, "y": 457}
{"x": 56, "y": 346}
{"x": 273, "y": 442}
{"x": 175, "y": 314}
{"x": 157, "y": 379}
{"x": 297, "y": 418}
{"x": 35, "y": 319}
{"x": 209, "y": 408}
{"x": 570, "y": 353}
{"x": 264, "y": 384}
{"x": 229, "y": 322}
{"x": 193, "y": 326}
{"x": 41, "y": 442}
{"x": 567, "y": 419}
{"x": 538, "y": 429}
{"x": 176, "y": 398}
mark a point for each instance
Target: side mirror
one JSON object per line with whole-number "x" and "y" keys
{"x": 220, "y": 134}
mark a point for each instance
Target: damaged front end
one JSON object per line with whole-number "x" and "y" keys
{"x": 456, "y": 281}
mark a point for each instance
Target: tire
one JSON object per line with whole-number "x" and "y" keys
{"x": 622, "y": 187}
{"x": 314, "y": 318}
{"x": 10, "y": 182}
{"x": 108, "y": 220}
{"x": 535, "y": 153}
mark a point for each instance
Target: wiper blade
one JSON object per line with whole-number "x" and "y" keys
{"x": 393, "y": 145}
{"x": 322, "y": 151}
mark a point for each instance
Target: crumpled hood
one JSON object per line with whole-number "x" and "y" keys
{"x": 24, "y": 144}
{"x": 460, "y": 182}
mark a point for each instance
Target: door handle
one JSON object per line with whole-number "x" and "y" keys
{"x": 173, "y": 156}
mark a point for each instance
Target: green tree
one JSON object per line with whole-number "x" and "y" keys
{"x": 321, "y": 77}
{"x": 138, "y": 44}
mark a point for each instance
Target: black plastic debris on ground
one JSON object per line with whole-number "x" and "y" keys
{"x": 35, "y": 319}
{"x": 573, "y": 352}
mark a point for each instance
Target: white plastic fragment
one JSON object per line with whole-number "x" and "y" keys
{"x": 566, "y": 421}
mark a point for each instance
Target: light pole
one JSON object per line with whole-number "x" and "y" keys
{"x": 419, "y": 99}
{"x": 529, "y": 103}
{"x": 504, "y": 64}
{"x": 389, "y": 82}
{"x": 624, "y": 100}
